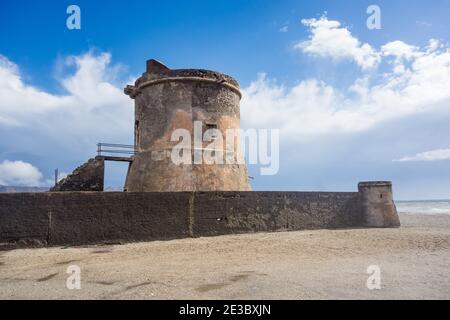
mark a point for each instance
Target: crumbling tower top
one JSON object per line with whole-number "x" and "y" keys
{"x": 157, "y": 73}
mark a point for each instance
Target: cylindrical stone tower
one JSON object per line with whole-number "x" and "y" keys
{"x": 176, "y": 108}
{"x": 378, "y": 204}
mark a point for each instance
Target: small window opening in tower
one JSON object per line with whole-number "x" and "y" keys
{"x": 136, "y": 130}
{"x": 210, "y": 126}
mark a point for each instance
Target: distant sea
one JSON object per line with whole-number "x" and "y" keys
{"x": 426, "y": 206}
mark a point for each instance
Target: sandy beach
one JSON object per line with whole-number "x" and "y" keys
{"x": 325, "y": 264}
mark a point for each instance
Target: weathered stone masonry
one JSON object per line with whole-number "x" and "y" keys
{"x": 167, "y": 100}
{"x": 87, "y": 177}
{"x": 77, "y": 218}
{"x": 168, "y": 201}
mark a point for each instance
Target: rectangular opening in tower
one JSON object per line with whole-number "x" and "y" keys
{"x": 137, "y": 135}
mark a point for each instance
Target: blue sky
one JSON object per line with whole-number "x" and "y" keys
{"x": 342, "y": 118}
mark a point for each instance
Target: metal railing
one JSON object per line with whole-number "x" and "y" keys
{"x": 105, "y": 149}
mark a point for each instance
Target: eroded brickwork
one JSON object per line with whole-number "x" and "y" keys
{"x": 87, "y": 177}
{"x": 75, "y": 218}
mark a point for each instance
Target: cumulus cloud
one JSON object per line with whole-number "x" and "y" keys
{"x": 92, "y": 108}
{"x": 329, "y": 39}
{"x": 433, "y": 155}
{"x": 400, "y": 50}
{"x": 19, "y": 101}
{"x": 19, "y": 173}
{"x": 91, "y": 95}
{"x": 416, "y": 81}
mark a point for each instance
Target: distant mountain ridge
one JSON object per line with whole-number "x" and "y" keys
{"x": 15, "y": 189}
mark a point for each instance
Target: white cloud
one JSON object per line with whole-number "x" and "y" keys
{"x": 19, "y": 173}
{"x": 400, "y": 49}
{"x": 329, "y": 39}
{"x": 93, "y": 108}
{"x": 91, "y": 97}
{"x": 433, "y": 155}
{"x": 284, "y": 29}
{"x": 92, "y": 83}
{"x": 18, "y": 101}
{"x": 418, "y": 81}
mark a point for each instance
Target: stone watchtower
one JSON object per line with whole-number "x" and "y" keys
{"x": 196, "y": 101}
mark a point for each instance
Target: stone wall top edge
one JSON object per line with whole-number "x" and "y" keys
{"x": 374, "y": 183}
{"x": 184, "y": 192}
